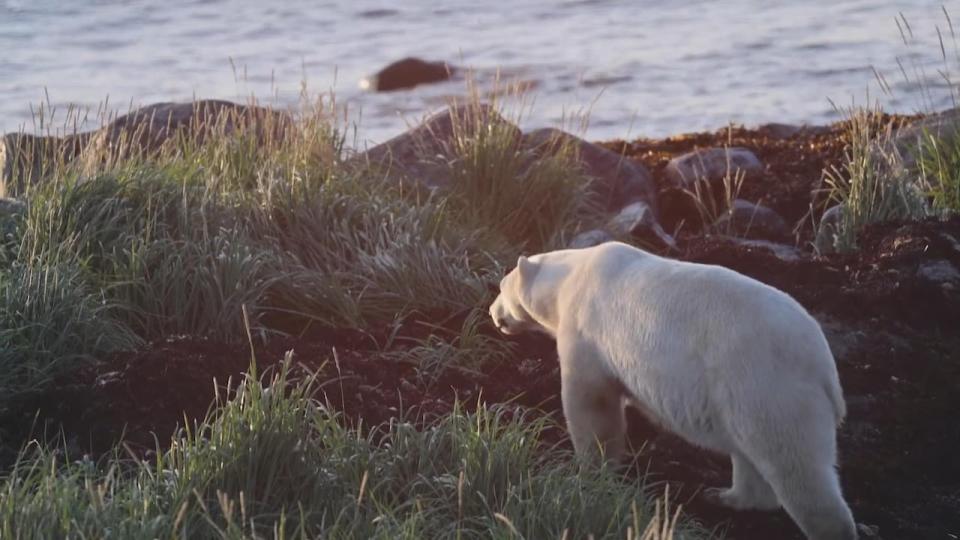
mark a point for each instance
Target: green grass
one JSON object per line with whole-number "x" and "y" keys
{"x": 871, "y": 185}
{"x": 237, "y": 233}
{"x": 938, "y": 161}
{"x": 274, "y": 463}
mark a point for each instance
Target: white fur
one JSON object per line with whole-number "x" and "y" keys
{"x": 726, "y": 362}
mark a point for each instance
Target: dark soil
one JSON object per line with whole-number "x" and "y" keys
{"x": 895, "y": 334}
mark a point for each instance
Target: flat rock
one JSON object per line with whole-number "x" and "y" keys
{"x": 783, "y": 252}
{"x": 408, "y": 73}
{"x": 751, "y": 220}
{"x": 617, "y": 180}
{"x": 712, "y": 165}
{"x": 424, "y": 155}
{"x": 940, "y": 272}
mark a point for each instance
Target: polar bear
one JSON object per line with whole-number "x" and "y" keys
{"x": 724, "y": 361}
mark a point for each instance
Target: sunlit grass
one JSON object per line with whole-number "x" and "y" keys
{"x": 274, "y": 463}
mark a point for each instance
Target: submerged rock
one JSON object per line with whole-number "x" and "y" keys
{"x": 408, "y": 73}
{"x": 617, "y": 180}
{"x": 751, "y": 220}
{"x": 712, "y": 165}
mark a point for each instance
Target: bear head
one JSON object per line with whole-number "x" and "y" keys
{"x": 510, "y": 311}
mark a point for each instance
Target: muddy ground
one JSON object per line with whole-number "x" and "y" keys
{"x": 894, "y": 332}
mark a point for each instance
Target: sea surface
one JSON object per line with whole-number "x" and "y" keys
{"x": 629, "y": 68}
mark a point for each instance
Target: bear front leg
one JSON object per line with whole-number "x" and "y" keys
{"x": 592, "y": 404}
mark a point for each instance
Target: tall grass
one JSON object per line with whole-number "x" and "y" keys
{"x": 274, "y": 463}
{"x": 938, "y": 161}
{"x": 871, "y": 185}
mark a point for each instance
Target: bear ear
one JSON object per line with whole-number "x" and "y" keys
{"x": 526, "y": 268}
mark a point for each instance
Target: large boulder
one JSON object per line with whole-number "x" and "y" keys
{"x": 408, "y": 73}
{"x": 425, "y": 154}
{"x": 24, "y": 158}
{"x": 147, "y": 129}
{"x": 711, "y": 165}
{"x": 751, "y": 220}
{"x": 616, "y": 180}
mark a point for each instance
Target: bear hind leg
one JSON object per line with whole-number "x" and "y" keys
{"x": 800, "y": 467}
{"x": 749, "y": 490}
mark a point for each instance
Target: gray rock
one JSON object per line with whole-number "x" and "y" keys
{"x": 751, "y": 220}
{"x": 408, "y": 73}
{"x": 147, "y": 129}
{"x": 25, "y": 158}
{"x": 711, "y": 164}
{"x": 426, "y": 154}
{"x": 10, "y": 211}
{"x": 617, "y": 180}
{"x": 589, "y": 238}
{"x": 944, "y": 125}
{"x": 637, "y": 220}
{"x": 828, "y": 229}
{"x": 940, "y": 272}
{"x": 781, "y": 251}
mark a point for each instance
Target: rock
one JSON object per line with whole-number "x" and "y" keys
{"x": 10, "y": 211}
{"x": 750, "y": 220}
{"x": 711, "y": 164}
{"x": 145, "y": 130}
{"x": 940, "y": 272}
{"x": 868, "y": 531}
{"x": 617, "y": 180}
{"x": 25, "y": 158}
{"x": 589, "y": 238}
{"x": 777, "y": 130}
{"x": 781, "y": 251}
{"x": 424, "y": 155}
{"x": 679, "y": 211}
{"x": 408, "y": 73}
{"x": 828, "y": 229}
{"x": 945, "y": 125}
{"x": 637, "y": 220}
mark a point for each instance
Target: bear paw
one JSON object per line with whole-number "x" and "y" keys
{"x": 738, "y": 501}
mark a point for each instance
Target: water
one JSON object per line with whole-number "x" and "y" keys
{"x": 641, "y": 67}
